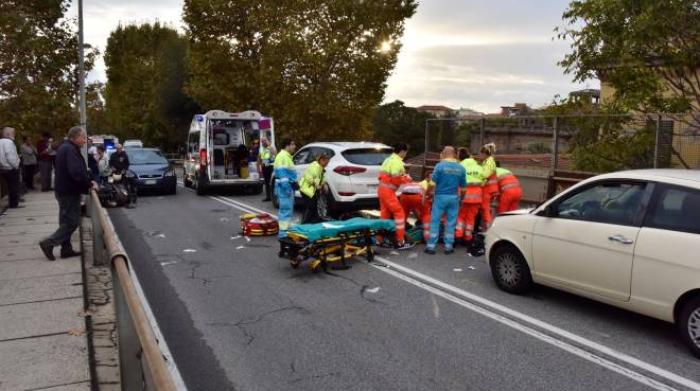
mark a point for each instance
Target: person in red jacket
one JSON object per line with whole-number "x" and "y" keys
{"x": 510, "y": 191}
{"x": 411, "y": 200}
{"x": 392, "y": 175}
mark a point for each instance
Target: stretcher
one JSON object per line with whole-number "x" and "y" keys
{"x": 333, "y": 242}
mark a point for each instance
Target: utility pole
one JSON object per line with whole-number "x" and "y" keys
{"x": 81, "y": 73}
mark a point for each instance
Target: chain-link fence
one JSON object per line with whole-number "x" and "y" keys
{"x": 551, "y": 152}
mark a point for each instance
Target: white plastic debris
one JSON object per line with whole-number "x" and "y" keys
{"x": 247, "y": 239}
{"x": 168, "y": 263}
{"x": 161, "y": 236}
{"x": 372, "y": 290}
{"x": 471, "y": 268}
{"x": 457, "y": 269}
{"x": 223, "y": 219}
{"x": 235, "y": 237}
{"x": 189, "y": 250}
{"x": 240, "y": 247}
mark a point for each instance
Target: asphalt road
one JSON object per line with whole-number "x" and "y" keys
{"x": 236, "y": 317}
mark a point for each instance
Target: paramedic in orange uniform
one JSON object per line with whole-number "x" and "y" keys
{"x": 392, "y": 175}
{"x": 509, "y": 189}
{"x": 426, "y": 205}
{"x": 472, "y": 198}
{"x": 411, "y": 200}
{"x": 490, "y": 190}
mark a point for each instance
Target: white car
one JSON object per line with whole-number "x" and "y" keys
{"x": 133, "y": 144}
{"x": 629, "y": 239}
{"x": 352, "y": 173}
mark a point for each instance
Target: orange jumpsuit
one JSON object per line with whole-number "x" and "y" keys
{"x": 510, "y": 191}
{"x": 391, "y": 176}
{"x": 489, "y": 192}
{"x": 411, "y": 200}
{"x": 472, "y": 200}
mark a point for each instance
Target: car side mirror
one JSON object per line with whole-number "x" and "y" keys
{"x": 549, "y": 211}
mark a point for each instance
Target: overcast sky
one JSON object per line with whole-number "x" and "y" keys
{"x": 480, "y": 54}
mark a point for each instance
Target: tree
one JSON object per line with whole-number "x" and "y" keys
{"x": 315, "y": 66}
{"x": 39, "y": 66}
{"x": 394, "y": 122}
{"x": 146, "y": 72}
{"x": 647, "y": 50}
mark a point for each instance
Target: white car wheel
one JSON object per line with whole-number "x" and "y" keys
{"x": 689, "y": 324}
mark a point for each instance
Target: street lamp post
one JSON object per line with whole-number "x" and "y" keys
{"x": 81, "y": 73}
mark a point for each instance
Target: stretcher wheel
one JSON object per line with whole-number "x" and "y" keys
{"x": 315, "y": 265}
{"x": 296, "y": 262}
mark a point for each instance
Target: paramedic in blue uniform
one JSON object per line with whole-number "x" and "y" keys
{"x": 449, "y": 178}
{"x": 285, "y": 184}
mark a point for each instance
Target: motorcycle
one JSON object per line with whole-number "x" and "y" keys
{"x": 118, "y": 190}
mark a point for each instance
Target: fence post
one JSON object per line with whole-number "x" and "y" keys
{"x": 426, "y": 147}
{"x": 129, "y": 348}
{"x": 482, "y": 131}
{"x": 657, "y": 140}
{"x": 555, "y": 145}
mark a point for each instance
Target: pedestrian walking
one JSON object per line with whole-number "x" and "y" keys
{"x": 45, "y": 162}
{"x": 449, "y": 179}
{"x": 488, "y": 165}
{"x": 310, "y": 187}
{"x": 472, "y": 199}
{"x": 9, "y": 165}
{"x": 285, "y": 185}
{"x": 509, "y": 189}
{"x": 72, "y": 180}
{"x": 29, "y": 156}
{"x": 266, "y": 162}
{"x": 392, "y": 174}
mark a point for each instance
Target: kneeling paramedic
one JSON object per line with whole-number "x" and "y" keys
{"x": 285, "y": 184}
{"x": 509, "y": 190}
{"x": 449, "y": 178}
{"x": 311, "y": 187}
{"x": 392, "y": 175}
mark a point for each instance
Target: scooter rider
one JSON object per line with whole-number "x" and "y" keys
{"x": 285, "y": 184}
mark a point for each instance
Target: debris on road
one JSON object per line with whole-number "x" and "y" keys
{"x": 240, "y": 247}
{"x": 372, "y": 290}
{"x": 235, "y": 237}
{"x": 247, "y": 239}
{"x": 162, "y": 236}
{"x": 457, "y": 269}
{"x": 223, "y": 219}
{"x": 471, "y": 268}
{"x": 166, "y": 263}
{"x": 189, "y": 250}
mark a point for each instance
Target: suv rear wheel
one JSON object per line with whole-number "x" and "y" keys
{"x": 689, "y": 324}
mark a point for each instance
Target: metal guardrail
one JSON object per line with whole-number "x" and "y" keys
{"x": 141, "y": 361}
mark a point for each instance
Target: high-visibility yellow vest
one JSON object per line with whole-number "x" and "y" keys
{"x": 474, "y": 172}
{"x": 266, "y": 155}
{"x": 312, "y": 179}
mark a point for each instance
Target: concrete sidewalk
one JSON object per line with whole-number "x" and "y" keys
{"x": 42, "y": 322}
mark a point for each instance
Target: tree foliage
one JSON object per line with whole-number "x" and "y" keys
{"x": 39, "y": 66}
{"x": 314, "y": 65}
{"x": 640, "y": 48}
{"x": 394, "y": 122}
{"x": 146, "y": 72}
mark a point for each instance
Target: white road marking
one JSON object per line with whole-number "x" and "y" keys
{"x": 248, "y": 206}
{"x": 639, "y": 377}
{"x": 527, "y": 319}
{"x": 540, "y": 324}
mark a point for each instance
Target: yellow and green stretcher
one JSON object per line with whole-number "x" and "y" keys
{"x": 333, "y": 242}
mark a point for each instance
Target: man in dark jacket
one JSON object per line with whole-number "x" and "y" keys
{"x": 119, "y": 161}
{"x": 72, "y": 180}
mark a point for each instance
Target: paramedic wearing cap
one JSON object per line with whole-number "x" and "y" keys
{"x": 310, "y": 186}
{"x": 285, "y": 184}
{"x": 392, "y": 175}
{"x": 449, "y": 178}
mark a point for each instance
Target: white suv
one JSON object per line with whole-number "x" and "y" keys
{"x": 352, "y": 173}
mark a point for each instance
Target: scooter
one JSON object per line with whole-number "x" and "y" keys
{"x": 119, "y": 190}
